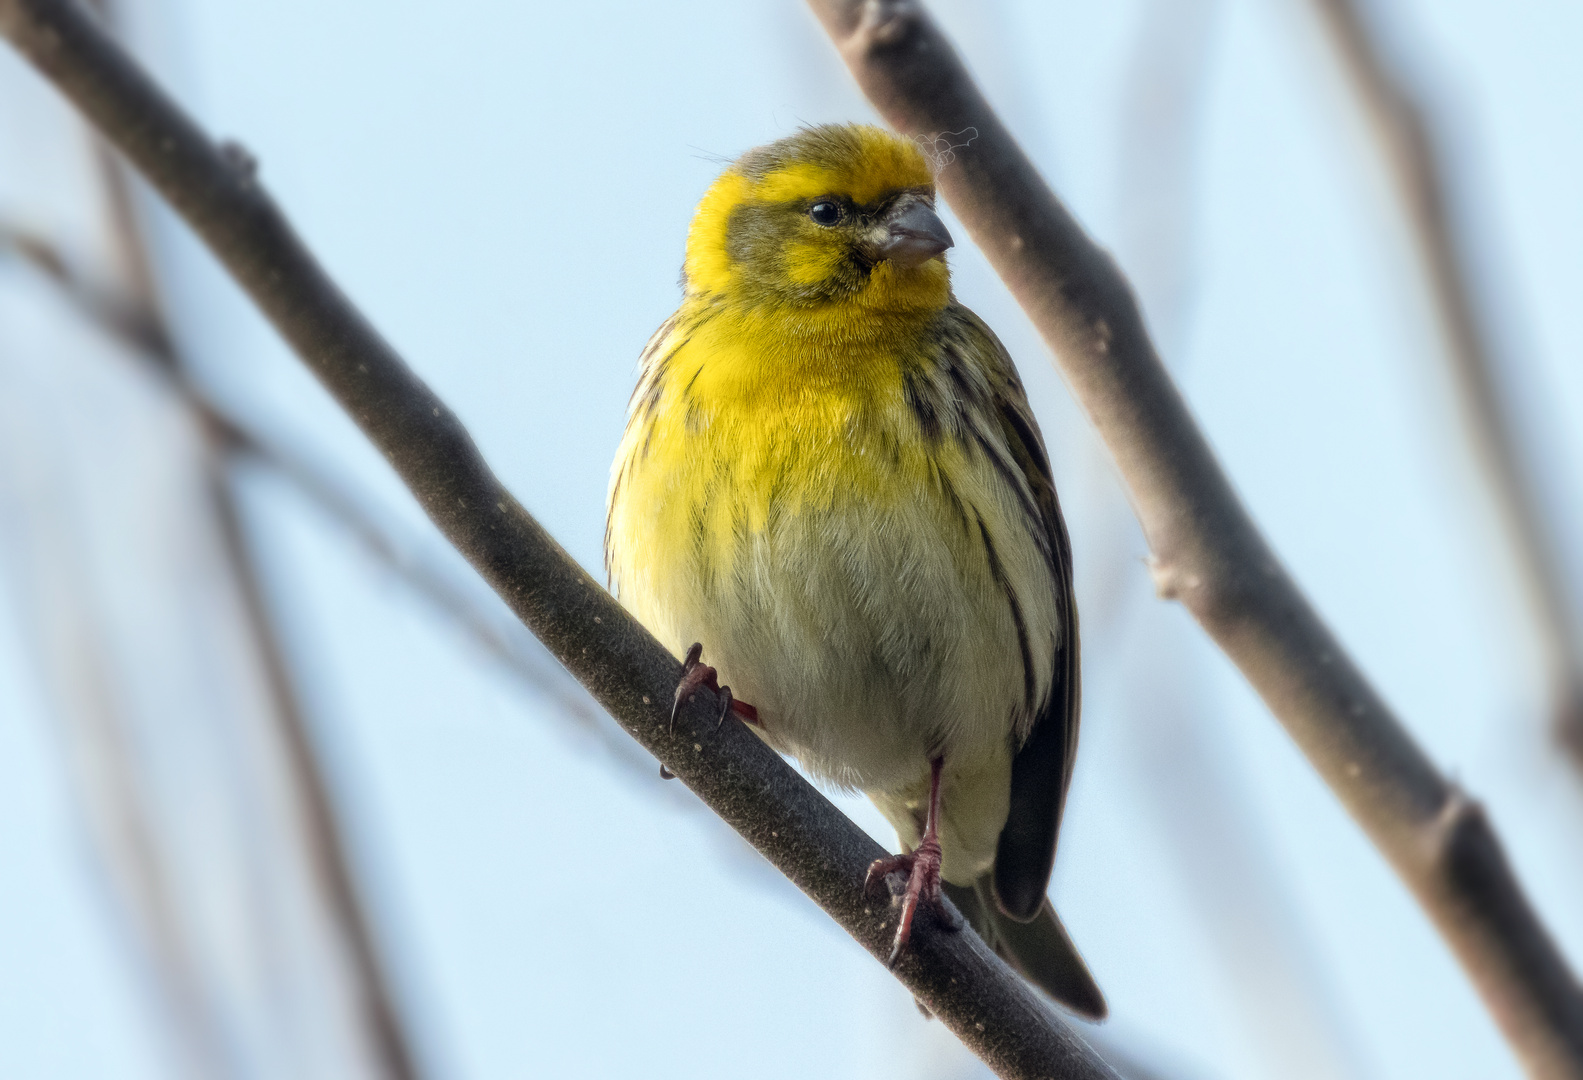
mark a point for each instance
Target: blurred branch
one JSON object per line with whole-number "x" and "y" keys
{"x": 129, "y": 311}
{"x": 1420, "y": 166}
{"x": 143, "y": 322}
{"x": 109, "y": 308}
{"x": 426, "y": 568}
{"x": 423, "y": 564}
{"x": 325, "y": 837}
{"x": 1207, "y": 551}
{"x": 1160, "y": 135}
{"x": 1177, "y": 734}
{"x": 953, "y": 974}
{"x": 144, "y": 329}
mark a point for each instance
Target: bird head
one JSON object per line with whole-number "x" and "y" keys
{"x": 833, "y": 215}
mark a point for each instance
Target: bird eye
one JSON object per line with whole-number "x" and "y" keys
{"x": 825, "y": 212}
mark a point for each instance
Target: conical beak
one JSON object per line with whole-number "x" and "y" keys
{"x": 914, "y": 235}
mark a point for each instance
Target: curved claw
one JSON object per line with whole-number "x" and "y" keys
{"x": 896, "y": 951}
{"x": 694, "y": 675}
{"x": 922, "y": 865}
{"x": 922, "y": 868}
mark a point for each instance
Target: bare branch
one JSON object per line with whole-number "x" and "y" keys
{"x": 104, "y": 305}
{"x": 1207, "y": 551}
{"x": 954, "y": 975}
{"x": 325, "y": 839}
{"x": 1420, "y": 165}
{"x": 131, "y": 311}
{"x": 424, "y": 564}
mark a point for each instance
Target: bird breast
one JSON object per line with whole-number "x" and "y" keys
{"x": 869, "y": 582}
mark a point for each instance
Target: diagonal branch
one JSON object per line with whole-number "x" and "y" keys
{"x": 1416, "y": 154}
{"x": 1207, "y": 551}
{"x": 954, "y": 975}
{"x": 104, "y": 306}
{"x": 131, "y": 310}
{"x": 423, "y": 563}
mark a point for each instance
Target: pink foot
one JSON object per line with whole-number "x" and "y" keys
{"x": 922, "y": 868}
{"x": 697, "y": 675}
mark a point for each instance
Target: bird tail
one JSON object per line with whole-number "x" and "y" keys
{"x": 1040, "y": 948}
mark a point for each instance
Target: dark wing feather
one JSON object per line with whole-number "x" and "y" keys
{"x": 1041, "y": 769}
{"x": 1040, "y": 948}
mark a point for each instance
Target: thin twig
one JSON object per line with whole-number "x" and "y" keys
{"x": 953, "y": 974}
{"x": 422, "y": 564}
{"x": 142, "y": 320}
{"x": 107, "y": 307}
{"x": 324, "y": 834}
{"x": 426, "y": 565}
{"x": 133, "y": 310}
{"x": 1415, "y": 153}
{"x": 1206, "y": 550}
{"x": 1295, "y": 1023}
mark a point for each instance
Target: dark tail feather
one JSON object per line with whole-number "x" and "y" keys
{"x": 1039, "y": 949}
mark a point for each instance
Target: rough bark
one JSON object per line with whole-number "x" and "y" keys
{"x": 1207, "y": 552}
{"x": 215, "y": 188}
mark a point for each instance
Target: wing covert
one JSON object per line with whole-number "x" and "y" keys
{"x": 1041, "y": 768}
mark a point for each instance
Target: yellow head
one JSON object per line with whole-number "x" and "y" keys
{"x": 834, "y": 215}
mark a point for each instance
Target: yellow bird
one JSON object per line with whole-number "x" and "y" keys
{"x": 831, "y": 476}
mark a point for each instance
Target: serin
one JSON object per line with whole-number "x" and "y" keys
{"x": 832, "y": 477}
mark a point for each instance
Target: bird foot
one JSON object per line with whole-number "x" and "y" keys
{"x": 922, "y": 868}
{"x": 695, "y": 676}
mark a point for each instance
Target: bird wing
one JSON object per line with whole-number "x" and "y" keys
{"x": 1040, "y": 948}
{"x": 1041, "y": 768}
{"x": 653, "y": 363}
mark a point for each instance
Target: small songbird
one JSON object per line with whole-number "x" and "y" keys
{"x": 831, "y": 478}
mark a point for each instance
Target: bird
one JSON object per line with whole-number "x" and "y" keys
{"x": 831, "y": 480}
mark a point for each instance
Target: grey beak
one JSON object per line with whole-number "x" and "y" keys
{"x": 915, "y": 234}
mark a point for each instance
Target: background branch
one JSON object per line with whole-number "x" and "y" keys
{"x": 1419, "y": 163}
{"x": 125, "y": 305}
{"x": 139, "y": 318}
{"x": 428, "y": 567}
{"x": 954, "y": 975}
{"x": 1206, "y": 550}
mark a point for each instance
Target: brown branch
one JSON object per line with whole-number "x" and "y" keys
{"x": 324, "y": 836}
{"x": 421, "y": 563}
{"x": 1420, "y": 167}
{"x": 954, "y": 975}
{"x": 1206, "y": 550}
{"x": 131, "y": 312}
{"x": 107, "y": 307}
{"x": 137, "y": 316}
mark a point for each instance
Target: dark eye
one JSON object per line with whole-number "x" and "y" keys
{"x": 825, "y": 212}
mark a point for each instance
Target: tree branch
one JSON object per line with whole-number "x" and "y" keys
{"x": 955, "y": 976}
{"x": 1418, "y": 162}
{"x": 1207, "y": 551}
{"x": 132, "y": 311}
{"x": 423, "y": 564}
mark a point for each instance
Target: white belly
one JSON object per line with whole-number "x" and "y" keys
{"x": 870, "y": 639}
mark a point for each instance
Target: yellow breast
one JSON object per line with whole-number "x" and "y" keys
{"x": 744, "y": 417}
{"x": 777, "y": 497}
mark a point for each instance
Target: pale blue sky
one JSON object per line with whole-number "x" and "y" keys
{"x": 505, "y": 188}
